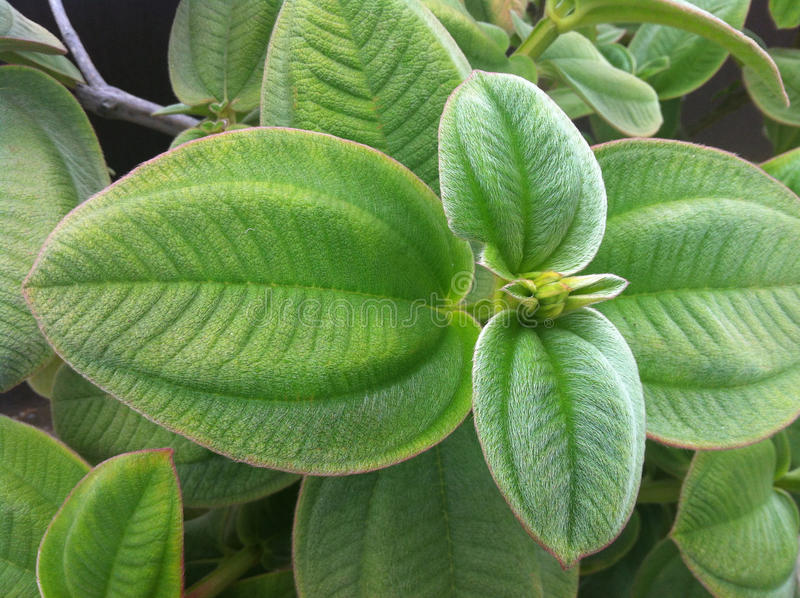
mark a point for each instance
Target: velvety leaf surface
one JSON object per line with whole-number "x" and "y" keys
{"x": 375, "y": 71}
{"x": 625, "y": 101}
{"x": 785, "y": 13}
{"x": 712, "y": 314}
{"x": 217, "y": 50}
{"x": 770, "y": 103}
{"x": 119, "y": 533}
{"x": 736, "y": 533}
{"x": 518, "y": 176}
{"x": 431, "y": 527}
{"x": 682, "y": 15}
{"x": 693, "y": 60}
{"x": 20, "y": 33}
{"x": 36, "y": 474}
{"x": 279, "y": 584}
{"x": 99, "y": 427}
{"x": 663, "y": 573}
{"x": 279, "y": 296}
{"x": 785, "y": 168}
{"x": 560, "y": 415}
{"x": 44, "y": 131}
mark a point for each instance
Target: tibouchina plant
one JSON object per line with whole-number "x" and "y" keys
{"x": 503, "y": 362}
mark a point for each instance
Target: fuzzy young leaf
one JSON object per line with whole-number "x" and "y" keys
{"x": 560, "y": 415}
{"x": 693, "y": 59}
{"x": 289, "y": 286}
{"x": 771, "y": 104}
{"x": 785, "y": 13}
{"x": 43, "y": 128}
{"x": 433, "y": 526}
{"x": 217, "y": 51}
{"x": 36, "y": 474}
{"x": 518, "y": 176}
{"x": 119, "y": 533}
{"x": 736, "y": 533}
{"x": 625, "y": 101}
{"x": 663, "y": 573}
{"x": 375, "y": 71}
{"x": 712, "y": 313}
{"x": 18, "y": 33}
{"x": 99, "y": 427}
{"x": 785, "y": 168}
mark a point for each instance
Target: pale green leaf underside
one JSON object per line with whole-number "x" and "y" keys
{"x": 788, "y": 61}
{"x": 119, "y": 533}
{"x": 785, "y": 168}
{"x": 217, "y": 50}
{"x": 560, "y": 415}
{"x": 434, "y": 526}
{"x": 785, "y": 13}
{"x": 693, "y": 60}
{"x": 663, "y": 573}
{"x": 271, "y": 294}
{"x": 55, "y": 65}
{"x": 736, "y": 533}
{"x": 375, "y": 71}
{"x": 20, "y": 33}
{"x": 518, "y": 176}
{"x": 44, "y": 131}
{"x": 626, "y": 102}
{"x": 100, "y": 427}
{"x": 36, "y": 474}
{"x": 712, "y": 314}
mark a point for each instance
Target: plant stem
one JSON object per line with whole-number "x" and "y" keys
{"x": 544, "y": 33}
{"x": 790, "y": 481}
{"x": 659, "y": 491}
{"x": 106, "y": 100}
{"x": 226, "y": 573}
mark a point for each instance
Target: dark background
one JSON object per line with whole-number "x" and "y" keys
{"x": 127, "y": 40}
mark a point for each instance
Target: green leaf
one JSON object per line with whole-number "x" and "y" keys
{"x": 44, "y": 131}
{"x": 292, "y": 288}
{"x": 119, "y": 533}
{"x": 569, "y": 102}
{"x": 788, "y": 61}
{"x": 278, "y": 584}
{"x": 58, "y": 67}
{"x": 785, "y": 13}
{"x": 681, "y": 15}
{"x": 433, "y": 526}
{"x": 693, "y": 59}
{"x": 560, "y": 415}
{"x": 518, "y": 176}
{"x": 374, "y": 71}
{"x": 712, "y": 312}
{"x": 20, "y": 33}
{"x": 626, "y": 102}
{"x": 736, "y": 533}
{"x": 619, "y": 56}
{"x": 41, "y": 381}
{"x": 36, "y": 474}
{"x": 99, "y": 427}
{"x": 785, "y": 168}
{"x": 616, "y": 551}
{"x": 217, "y": 51}
{"x": 783, "y": 137}
{"x": 497, "y": 12}
{"x": 663, "y": 573}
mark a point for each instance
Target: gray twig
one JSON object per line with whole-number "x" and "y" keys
{"x": 106, "y": 100}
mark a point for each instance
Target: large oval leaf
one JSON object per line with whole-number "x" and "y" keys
{"x": 736, "y": 533}
{"x": 518, "y": 176}
{"x": 712, "y": 312}
{"x": 434, "y": 526}
{"x": 217, "y": 51}
{"x": 44, "y": 131}
{"x": 560, "y": 415}
{"x": 272, "y": 294}
{"x": 785, "y": 13}
{"x": 663, "y": 573}
{"x": 20, "y": 33}
{"x": 626, "y": 102}
{"x": 100, "y": 427}
{"x": 693, "y": 59}
{"x": 119, "y": 533}
{"x": 785, "y": 168}
{"x": 769, "y": 102}
{"x": 374, "y": 71}
{"x": 36, "y": 474}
